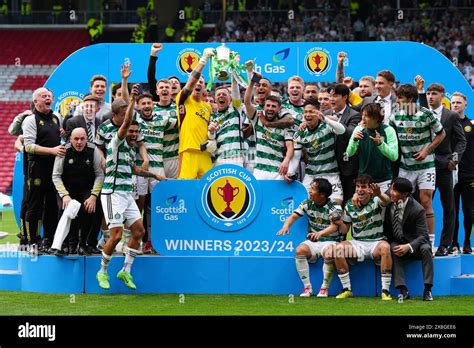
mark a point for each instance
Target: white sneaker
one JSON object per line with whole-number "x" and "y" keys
{"x": 307, "y": 292}
{"x": 323, "y": 292}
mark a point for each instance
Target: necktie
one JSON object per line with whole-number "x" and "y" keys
{"x": 90, "y": 134}
{"x": 397, "y": 222}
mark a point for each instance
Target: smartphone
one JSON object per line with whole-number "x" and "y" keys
{"x": 140, "y": 88}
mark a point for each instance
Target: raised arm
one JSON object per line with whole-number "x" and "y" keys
{"x": 125, "y": 72}
{"x": 250, "y": 109}
{"x": 341, "y": 56}
{"x": 122, "y": 132}
{"x": 151, "y": 73}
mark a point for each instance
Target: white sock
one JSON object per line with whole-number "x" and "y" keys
{"x": 328, "y": 272}
{"x": 302, "y": 267}
{"x": 129, "y": 258}
{"x": 105, "y": 262}
{"x": 345, "y": 280}
{"x": 386, "y": 280}
{"x": 432, "y": 239}
{"x": 126, "y": 235}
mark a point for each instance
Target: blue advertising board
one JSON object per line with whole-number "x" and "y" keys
{"x": 313, "y": 61}
{"x": 226, "y": 213}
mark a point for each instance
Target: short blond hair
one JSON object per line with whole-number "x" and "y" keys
{"x": 459, "y": 94}
{"x": 297, "y": 79}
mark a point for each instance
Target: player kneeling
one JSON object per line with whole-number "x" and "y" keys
{"x": 368, "y": 240}
{"x": 322, "y": 216}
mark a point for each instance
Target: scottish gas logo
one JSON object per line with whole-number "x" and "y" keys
{"x": 229, "y": 198}
{"x": 171, "y": 208}
{"x": 286, "y": 208}
{"x": 281, "y": 55}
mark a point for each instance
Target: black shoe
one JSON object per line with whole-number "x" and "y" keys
{"x": 442, "y": 251}
{"x": 467, "y": 249}
{"x": 404, "y": 294}
{"x": 83, "y": 251}
{"x": 453, "y": 249}
{"x": 56, "y": 252}
{"x": 93, "y": 250}
{"x": 427, "y": 296}
{"x": 72, "y": 250}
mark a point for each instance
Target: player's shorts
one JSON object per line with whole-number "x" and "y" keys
{"x": 119, "y": 208}
{"x": 145, "y": 185}
{"x": 364, "y": 249}
{"x": 317, "y": 248}
{"x": 171, "y": 167}
{"x": 237, "y": 160}
{"x": 264, "y": 175}
{"x": 193, "y": 164}
{"x": 423, "y": 179}
{"x": 333, "y": 179}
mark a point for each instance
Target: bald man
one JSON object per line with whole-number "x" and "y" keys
{"x": 41, "y": 132}
{"x": 78, "y": 175}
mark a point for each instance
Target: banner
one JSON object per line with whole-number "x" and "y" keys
{"x": 226, "y": 213}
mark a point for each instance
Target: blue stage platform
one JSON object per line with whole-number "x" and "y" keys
{"x": 454, "y": 275}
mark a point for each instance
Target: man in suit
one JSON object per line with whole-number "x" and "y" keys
{"x": 407, "y": 232}
{"x": 384, "y": 96}
{"x": 349, "y": 118}
{"x": 447, "y": 156}
{"x": 86, "y": 120}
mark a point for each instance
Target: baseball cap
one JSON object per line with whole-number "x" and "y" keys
{"x": 117, "y": 105}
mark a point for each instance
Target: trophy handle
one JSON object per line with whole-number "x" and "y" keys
{"x": 238, "y": 190}
{"x": 220, "y": 188}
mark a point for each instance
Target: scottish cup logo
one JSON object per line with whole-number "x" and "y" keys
{"x": 187, "y": 60}
{"x": 317, "y": 61}
{"x": 229, "y": 199}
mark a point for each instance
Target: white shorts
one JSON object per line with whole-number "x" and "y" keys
{"x": 145, "y": 185}
{"x": 423, "y": 179}
{"x": 317, "y": 248}
{"x": 237, "y": 160}
{"x": 171, "y": 167}
{"x": 333, "y": 179}
{"x": 262, "y": 175}
{"x": 119, "y": 208}
{"x": 364, "y": 249}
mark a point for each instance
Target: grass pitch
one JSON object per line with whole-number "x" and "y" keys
{"x": 21, "y": 303}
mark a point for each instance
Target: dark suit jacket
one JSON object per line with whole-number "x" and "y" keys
{"x": 415, "y": 230}
{"x": 455, "y": 140}
{"x": 371, "y": 99}
{"x": 350, "y": 119}
{"x": 79, "y": 121}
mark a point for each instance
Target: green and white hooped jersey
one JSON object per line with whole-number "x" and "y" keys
{"x": 270, "y": 145}
{"x": 318, "y": 217}
{"x": 118, "y": 166}
{"x": 296, "y": 111}
{"x": 415, "y": 132}
{"x": 319, "y": 143}
{"x": 367, "y": 222}
{"x": 153, "y": 133}
{"x": 106, "y": 131}
{"x": 229, "y": 132}
{"x": 171, "y": 137}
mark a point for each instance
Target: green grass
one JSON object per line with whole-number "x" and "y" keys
{"x": 22, "y": 303}
{"x": 8, "y": 224}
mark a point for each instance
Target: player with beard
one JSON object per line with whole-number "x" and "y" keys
{"x": 324, "y": 100}
{"x": 271, "y": 164}
{"x": 310, "y": 91}
{"x": 117, "y": 201}
{"x": 366, "y": 84}
{"x": 226, "y": 126}
{"x": 194, "y": 115}
{"x": 152, "y": 123}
